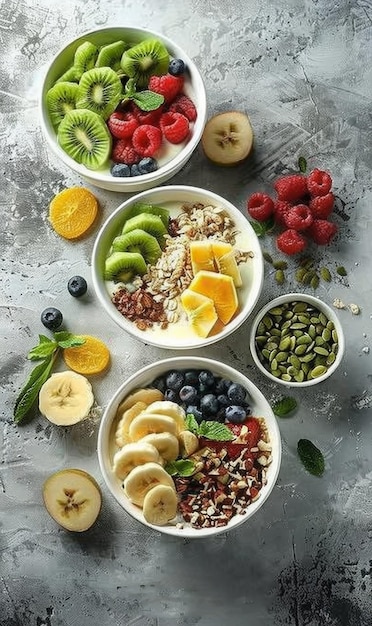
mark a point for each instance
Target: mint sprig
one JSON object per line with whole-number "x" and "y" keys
{"x": 182, "y": 467}
{"x": 209, "y": 429}
{"x": 302, "y": 164}
{"x": 146, "y": 100}
{"x": 261, "y": 228}
{"x": 311, "y": 457}
{"x": 284, "y": 406}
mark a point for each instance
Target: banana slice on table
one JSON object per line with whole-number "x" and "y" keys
{"x": 73, "y": 499}
{"x": 147, "y": 423}
{"x": 143, "y": 478}
{"x": 189, "y": 443}
{"x": 171, "y": 409}
{"x": 146, "y": 395}
{"x": 228, "y": 138}
{"x": 160, "y": 505}
{"x": 131, "y": 455}
{"x": 166, "y": 444}
{"x": 122, "y": 429}
{"x": 66, "y": 398}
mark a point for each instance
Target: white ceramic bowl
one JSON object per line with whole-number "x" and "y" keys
{"x": 194, "y": 88}
{"x": 144, "y": 377}
{"x": 320, "y": 306}
{"x": 173, "y": 197}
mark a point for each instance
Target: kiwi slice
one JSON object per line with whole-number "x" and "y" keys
{"x": 110, "y": 55}
{"x": 151, "y": 224}
{"x": 85, "y": 57}
{"x": 100, "y": 90}
{"x": 124, "y": 264}
{"x": 72, "y": 75}
{"x": 60, "y": 99}
{"x": 138, "y": 240}
{"x": 142, "y": 207}
{"x": 145, "y": 59}
{"x": 84, "y": 136}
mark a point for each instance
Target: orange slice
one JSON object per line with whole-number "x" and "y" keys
{"x": 201, "y": 256}
{"x": 221, "y": 289}
{"x": 227, "y": 265}
{"x": 200, "y": 310}
{"x": 91, "y": 357}
{"x": 219, "y": 248}
{"x": 72, "y": 212}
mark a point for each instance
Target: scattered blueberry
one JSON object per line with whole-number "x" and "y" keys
{"x": 171, "y": 395}
{"x": 176, "y": 67}
{"x": 121, "y": 170}
{"x": 236, "y": 393}
{"x": 174, "y": 380}
{"x": 235, "y": 414}
{"x": 147, "y": 165}
{"x": 159, "y": 383}
{"x": 191, "y": 377}
{"x": 209, "y": 404}
{"x": 134, "y": 170}
{"x": 206, "y": 378}
{"x": 188, "y": 394}
{"x": 77, "y": 286}
{"x": 195, "y": 412}
{"x": 51, "y": 318}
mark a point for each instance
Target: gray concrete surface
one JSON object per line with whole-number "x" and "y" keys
{"x": 302, "y": 70}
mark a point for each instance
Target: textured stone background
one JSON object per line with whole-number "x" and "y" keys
{"x": 302, "y": 70}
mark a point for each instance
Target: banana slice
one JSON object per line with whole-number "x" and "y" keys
{"x": 147, "y": 423}
{"x": 228, "y": 138}
{"x": 131, "y": 455}
{"x": 171, "y": 409}
{"x": 146, "y": 395}
{"x": 73, "y": 499}
{"x": 189, "y": 443}
{"x": 160, "y": 505}
{"x": 122, "y": 429}
{"x": 66, "y": 398}
{"x": 166, "y": 444}
{"x": 143, "y": 478}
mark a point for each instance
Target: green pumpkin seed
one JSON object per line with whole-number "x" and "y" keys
{"x": 298, "y": 325}
{"x": 279, "y": 277}
{"x": 261, "y": 328}
{"x": 268, "y": 322}
{"x": 300, "y": 307}
{"x": 326, "y": 334}
{"x": 318, "y": 371}
{"x": 295, "y": 361}
{"x": 292, "y": 371}
{"x": 285, "y": 343}
{"x": 286, "y": 377}
{"x": 304, "y": 319}
{"x": 267, "y": 257}
{"x": 304, "y": 339}
{"x": 300, "y": 273}
{"x": 280, "y": 265}
{"x": 325, "y": 274}
{"x": 321, "y": 350}
{"x": 314, "y": 319}
{"x": 314, "y": 283}
{"x": 341, "y": 271}
{"x": 307, "y": 357}
{"x": 312, "y": 331}
{"x": 276, "y": 332}
{"x": 301, "y": 349}
{"x": 299, "y": 377}
{"x": 272, "y": 355}
{"x": 305, "y": 367}
{"x": 330, "y": 325}
{"x": 281, "y": 356}
{"x": 265, "y": 353}
{"x": 293, "y": 343}
{"x": 274, "y": 364}
{"x": 334, "y": 335}
{"x": 288, "y": 315}
{"x": 323, "y": 319}
{"x": 278, "y": 310}
{"x": 331, "y": 358}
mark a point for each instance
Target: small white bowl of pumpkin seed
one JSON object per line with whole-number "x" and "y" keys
{"x": 297, "y": 340}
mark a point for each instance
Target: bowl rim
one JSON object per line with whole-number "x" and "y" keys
{"x": 129, "y": 384}
{"x": 322, "y": 306}
{"x": 165, "y": 171}
{"x": 98, "y": 283}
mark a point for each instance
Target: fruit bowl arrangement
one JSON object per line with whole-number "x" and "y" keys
{"x": 123, "y": 107}
{"x": 190, "y": 447}
{"x": 178, "y": 267}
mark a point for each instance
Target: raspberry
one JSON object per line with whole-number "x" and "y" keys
{"x": 183, "y": 104}
{"x": 167, "y": 85}
{"x": 280, "y": 210}
{"x": 298, "y": 217}
{"x": 322, "y": 231}
{"x": 147, "y": 117}
{"x": 147, "y": 140}
{"x": 319, "y": 183}
{"x": 175, "y": 126}
{"x": 260, "y": 206}
{"x": 122, "y": 124}
{"x": 124, "y": 152}
{"x": 322, "y": 206}
{"x": 291, "y": 188}
{"x": 291, "y": 242}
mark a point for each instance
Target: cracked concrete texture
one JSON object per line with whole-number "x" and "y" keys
{"x": 302, "y": 71}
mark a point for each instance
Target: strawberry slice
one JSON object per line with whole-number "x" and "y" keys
{"x": 254, "y": 431}
{"x": 233, "y": 449}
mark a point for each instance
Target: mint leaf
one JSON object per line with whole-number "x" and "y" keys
{"x": 302, "y": 165}
{"x": 45, "y": 348}
{"x": 284, "y": 406}
{"x": 311, "y": 457}
{"x": 68, "y": 340}
{"x": 261, "y": 228}
{"x": 30, "y": 391}
{"x": 191, "y": 423}
{"x": 182, "y": 467}
{"x": 215, "y": 431}
{"x": 147, "y": 100}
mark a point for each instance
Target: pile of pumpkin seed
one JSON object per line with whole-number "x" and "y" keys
{"x": 296, "y": 342}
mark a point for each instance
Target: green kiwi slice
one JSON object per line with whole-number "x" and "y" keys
{"x": 124, "y": 264}
{"x": 142, "y": 207}
{"x": 85, "y": 57}
{"x": 84, "y": 136}
{"x": 100, "y": 90}
{"x": 138, "y": 240}
{"x": 151, "y": 224}
{"x": 60, "y": 99}
{"x": 110, "y": 55}
{"x": 72, "y": 75}
{"x": 145, "y": 59}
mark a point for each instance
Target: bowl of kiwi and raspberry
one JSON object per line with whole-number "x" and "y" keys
{"x": 189, "y": 447}
{"x": 123, "y": 107}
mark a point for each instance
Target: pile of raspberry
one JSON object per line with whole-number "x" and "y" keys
{"x": 301, "y": 209}
{"x": 139, "y": 135}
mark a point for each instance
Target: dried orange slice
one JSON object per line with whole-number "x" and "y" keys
{"x": 72, "y": 212}
{"x": 91, "y": 357}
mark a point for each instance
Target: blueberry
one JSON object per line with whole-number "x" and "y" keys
{"x": 209, "y": 404}
{"x": 147, "y": 165}
{"x": 159, "y": 383}
{"x": 235, "y": 414}
{"x": 174, "y": 380}
{"x": 120, "y": 170}
{"x": 51, "y": 318}
{"x": 221, "y": 415}
{"x": 188, "y": 394}
{"x": 171, "y": 395}
{"x": 223, "y": 400}
{"x": 222, "y": 385}
{"x": 191, "y": 377}
{"x": 193, "y": 409}
{"x": 134, "y": 170}
{"x": 77, "y": 286}
{"x": 236, "y": 393}
{"x": 176, "y": 67}
{"x": 206, "y": 378}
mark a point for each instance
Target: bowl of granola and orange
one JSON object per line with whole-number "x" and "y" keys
{"x": 178, "y": 267}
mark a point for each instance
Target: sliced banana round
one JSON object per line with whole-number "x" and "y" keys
{"x": 66, "y": 398}
{"x": 189, "y": 443}
{"x": 146, "y": 395}
{"x": 73, "y": 499}
{"x": 160, "y": 505}
{"x": 166, "y": 444}
{"x": 171, "y": 409}
{"x": 228, "y": 138}
{"x": 122, "y": 429}
{"x": 147, "y": 423}
{"x": 143, "y": 478}
{"x": 133, "y": 454}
